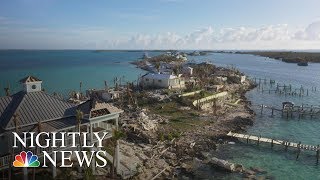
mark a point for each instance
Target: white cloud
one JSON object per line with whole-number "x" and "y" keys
{"x": 280, "y": 36}
{"x": 312, "y": 32}
{"x": 208, "y": 38}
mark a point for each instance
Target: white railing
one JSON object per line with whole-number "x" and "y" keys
{"x": 106, "y": 126}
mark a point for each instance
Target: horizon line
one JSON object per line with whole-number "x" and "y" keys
{"x": 67, "y": 49}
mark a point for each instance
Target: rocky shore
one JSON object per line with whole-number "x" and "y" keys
{"x": 167, "y": 139}
{"x": 174, "y": 157}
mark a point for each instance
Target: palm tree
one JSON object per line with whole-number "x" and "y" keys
{"x": 88, "y": 175}
{"x": 7, "y": 90}
{"x": 175, "y": 71}
{"x": 39, "y": 126}
{"x": 79, "y": 116}
{"x": 80, "y": 89}
{"x": 157, "y": 66}
{"x": 105, "y": 85}
{"x": 15, "y": 120}
{"x": 116, "y": 136}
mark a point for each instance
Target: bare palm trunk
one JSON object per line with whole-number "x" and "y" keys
{"x": 15, "y": 118}
{"x": 36, "y": 150}
{"x": 79, "y": 130}
{"x": 10, "y": 164}
{"x": 114, "y": 161}
{"x": 79, "y": 116}
{"x": 117, "y": 135}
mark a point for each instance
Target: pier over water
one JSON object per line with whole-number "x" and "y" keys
{"x": 286, "y": 144}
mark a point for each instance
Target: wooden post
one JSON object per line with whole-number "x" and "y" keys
{"x": 215, "y": 106}
{"x": 286, "y": 146}
{"x": 300, "y": 93}
{"x": 318, "y": 154}
{"x": 271, "y": 143}
{"x": 298, "y": 147}
{"x": 272, "y": 111}
{"x": 261, "y": 109}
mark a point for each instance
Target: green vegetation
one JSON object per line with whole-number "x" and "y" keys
{"x": 88, "y": 175}
{"x": 179, "y": 120}
{"x": 156, "y": 60}
{"x": 164, "y": 58}
{"x": 116, "y": 136}
{"x": 288, "y": 56}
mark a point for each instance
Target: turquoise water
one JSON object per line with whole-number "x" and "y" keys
{"x": 278, "y": 163}
{"x": 61, "y": 71}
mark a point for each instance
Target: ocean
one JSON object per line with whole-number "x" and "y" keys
{"x": 278, "y": 163}
{"x": 62, "y": 71}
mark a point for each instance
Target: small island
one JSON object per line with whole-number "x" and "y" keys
{"x": 301, "y": 58}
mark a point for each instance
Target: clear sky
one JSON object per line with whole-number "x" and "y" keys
{"x": 159, "y": 24}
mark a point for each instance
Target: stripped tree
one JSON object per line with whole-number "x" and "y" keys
{"x": 116, "y": 136}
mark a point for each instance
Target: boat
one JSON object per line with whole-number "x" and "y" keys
{"x": 302, "y": 64}
{"x": 287, "y": 105}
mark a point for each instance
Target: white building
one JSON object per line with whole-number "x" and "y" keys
{"x": 168, "y": 81}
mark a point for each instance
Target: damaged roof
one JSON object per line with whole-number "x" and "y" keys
{"x": 96, "y": 109}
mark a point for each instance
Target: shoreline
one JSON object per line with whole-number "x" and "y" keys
{"x": 191, "y": 145}
{"x": 287, "y": 56}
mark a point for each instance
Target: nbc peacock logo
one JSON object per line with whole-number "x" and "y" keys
{"x": 26, "y": 160}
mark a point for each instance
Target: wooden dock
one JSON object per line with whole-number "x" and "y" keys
{"x": 298, "y": 111}
{"x": 270, "y": 86}
{"x": 273, "y": 142}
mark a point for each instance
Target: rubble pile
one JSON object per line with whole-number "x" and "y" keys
{"x": 145, "y": 160}
{"x": 159, "y": 95}
{"x": 141, "y": 126}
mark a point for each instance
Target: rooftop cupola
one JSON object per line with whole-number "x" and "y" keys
{"x": 31, "y": 84}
